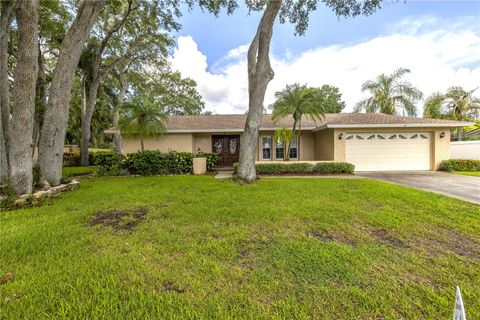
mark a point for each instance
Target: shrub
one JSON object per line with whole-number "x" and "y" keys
{"x": 303, "y": 168}
{"x": 334, "y": 168}
{"x": 460, "y": 165}
{"x": 145, "y": 163}
{"x": 111, "y": 165}
{"x": 71, "y": 159}
{"x": 95, "y": 158}
{"x": 282, "y": 168}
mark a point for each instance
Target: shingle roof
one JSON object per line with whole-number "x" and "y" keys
{"x": 381, "y": 119}
{"x": 236, "y": 122}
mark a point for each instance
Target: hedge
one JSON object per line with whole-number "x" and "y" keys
{"x": 73, "y": 158}
{"x": 334, "y": 168}
{"x": 148, "y": 163}
{"x": 460, "y": 165}
{"x": 303, "y": 168}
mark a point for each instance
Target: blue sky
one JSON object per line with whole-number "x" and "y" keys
{"x": 216, "y": 36}
{"x": 444, "y": 34}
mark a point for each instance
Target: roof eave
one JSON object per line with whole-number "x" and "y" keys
{"x": 398, "y": 125}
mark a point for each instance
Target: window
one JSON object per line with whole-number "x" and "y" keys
{"x": 293, "y": 149}
{"x": 266, "y": 148}
{"x": 279, "y": 150}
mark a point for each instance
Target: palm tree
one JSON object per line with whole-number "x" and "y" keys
{"x": 143, "y": 118}
{"x": 433, "y": 106}
{"x": 285, "y": 136}
{"x": 461, "y": 105}
{"x": 389, "y": 93}
{"x": 298, "y": 101}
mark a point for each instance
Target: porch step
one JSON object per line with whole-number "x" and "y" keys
{"x": 223, "y": 168}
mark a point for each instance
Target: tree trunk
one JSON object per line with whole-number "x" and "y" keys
{"x": 6, "y": 18}
{"x": 117, "y": 137}
{"x": 459, "y": 134}
{"x": 87, "y": 120}
{"x": 298, "y": 138}
{"x": 40, "y": 100}
{"x": 260, "y": 73}
{"x": 294, "y": 130}
{"x": 53, "y": 132}
{"x": 24, "y": 97}
{"x": 142, "y": 147}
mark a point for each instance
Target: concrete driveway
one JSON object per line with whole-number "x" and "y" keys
{"x": 453, "y": 185}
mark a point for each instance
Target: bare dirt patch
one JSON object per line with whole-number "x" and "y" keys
{"x": 250, "y": 250}
{"x": 332, "y": 237}
{"x": 170, "y": 286}
{"x": 119, "y": 220}
{"x": 383, "y": 236}
{"x": 447, "y": 240}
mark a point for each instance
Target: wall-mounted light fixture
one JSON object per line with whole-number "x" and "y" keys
{"x": 442, "y": 135}
{"x": 340, "y": 136}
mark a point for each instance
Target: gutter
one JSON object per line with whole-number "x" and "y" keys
{"x": 405, "y": 125}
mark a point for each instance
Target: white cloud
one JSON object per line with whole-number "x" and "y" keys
{"x": 438, "y": 58}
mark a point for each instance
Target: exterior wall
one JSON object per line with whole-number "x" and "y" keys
{"x": 307, "y": 146}
{"x": 440, "y": 147}
{"x": 181, "y": 142}
{"x": 202, "y": 142}
{"x": 324, "y": 145}
{"x": 465, "y": 150}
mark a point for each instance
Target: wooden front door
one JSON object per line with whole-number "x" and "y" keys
{"x": 227, "y": 148}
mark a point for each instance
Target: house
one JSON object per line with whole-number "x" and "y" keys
{"x": 371, "y": 141}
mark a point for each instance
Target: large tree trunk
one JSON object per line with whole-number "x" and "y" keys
{"x": 117, "y": 137}
{"x": 260, "y": 73}
{"x": 53, "y": 132}
{"x": 24, "y": 97}
{"x": 87, "y": 120}
{"x": 6, "y": 18}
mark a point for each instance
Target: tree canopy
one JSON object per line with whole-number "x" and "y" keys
{"x": 390, "y": 94}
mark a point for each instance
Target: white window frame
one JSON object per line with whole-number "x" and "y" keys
{"x": 266, "y": 159}
{"x": 296, "y": 147}
{"x": 275, "y": 149}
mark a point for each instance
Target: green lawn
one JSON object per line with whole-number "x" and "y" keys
{"x": 69, "y": 172}
{"x": 469, "y": 173}
{"x": 213, "y": 249}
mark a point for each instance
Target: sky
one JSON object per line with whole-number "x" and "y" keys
{"x": 439, "y": 41}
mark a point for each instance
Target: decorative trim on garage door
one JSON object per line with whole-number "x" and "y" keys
{"x": 382, "y": 151}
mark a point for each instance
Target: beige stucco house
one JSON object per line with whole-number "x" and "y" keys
{"x": 372, "y": 142}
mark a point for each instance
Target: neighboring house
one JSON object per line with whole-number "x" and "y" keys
{"x": 371, "y": 141}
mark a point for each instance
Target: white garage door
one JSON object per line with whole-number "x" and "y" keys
{"x": 388, "y": 151}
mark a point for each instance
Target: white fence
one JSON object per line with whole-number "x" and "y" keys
{"x": 465, "y": 150}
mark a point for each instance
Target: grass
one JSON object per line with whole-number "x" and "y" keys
{"x": 201, "y": 248}
{"x": 69, "y": 172}
{"x": 469, "y": 173}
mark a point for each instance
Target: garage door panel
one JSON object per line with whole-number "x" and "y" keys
{"x": 389, "y": 151}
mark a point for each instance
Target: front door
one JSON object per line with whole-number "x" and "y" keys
{"x": 227, "y": 148}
